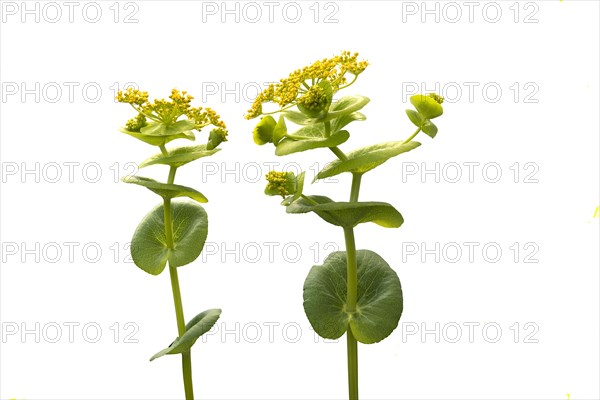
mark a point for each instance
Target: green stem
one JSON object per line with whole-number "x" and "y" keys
{"x": 412, "y": 136}
{"x": 172, "y": 172}
{"x": 186, "y": 357}
{"x": 352, "y": 294}
{"x": 352, "y": 366}
{"x": 356, "y": 178}
{"x": 163, "y": 150}
{"x": 351, "y": 298}
{"x": 327, "y": 128}
{"x": 351, "y": 270}
{"x": 340, "y": 154}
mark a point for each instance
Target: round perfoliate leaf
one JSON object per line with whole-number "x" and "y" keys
{"x": 149, "y": 248}
{"x": 197, "y": 327}
{"x": 379, "y": 298}
{"x": 426, "y": 106}
{"x": 263, "y": 131}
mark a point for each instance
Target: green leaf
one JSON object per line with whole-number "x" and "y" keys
{"x": 379, "y": 298}
{"x": 289, "y": 146}
{"x": 347, "y": 105}
{"x": 149, "y": 245}
{"x": 366, "y": 158}
{"x": 429, "y": 128}
{"x": 297, "y": 117}
{"x": 308, "y": 132}
{"x": 263, "y": 131}
{"x": 426, "y": 106}
{"x": 299, "y": 187}
{"x": 179, "y": 156}
{"x": 340, "y": 122}
{"x": 161, "y": 129}
{"x": 347, "y": 214}
{"x": 215, "y": 138}
{"x": 166, "y": 190}
{"x": 158, "y": 140}
{"x": 279, "y": 131}
{"x": 415, "y": 117}
{"x": 344, "y": 106}
{"x": 197, "y": 327}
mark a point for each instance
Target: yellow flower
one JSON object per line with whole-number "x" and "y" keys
{"x": 439, "y": 99}
{"x": 300, "y": 82}
{"x": 170, "y": 111}
{"x": 132, "y": 96}
{"x": 282, "y": 183}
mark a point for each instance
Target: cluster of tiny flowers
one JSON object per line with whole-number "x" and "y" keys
{"x": 439, "y": 99}
{"x": 132, "y": 96}
{"x": 137, "y": 123}
{"x": 169, "y": 111}
{"x": 278, "y": 181}
{"x": 286, "y": 91}
{"x": 314, "y": 99}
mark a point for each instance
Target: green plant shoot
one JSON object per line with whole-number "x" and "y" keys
{"x": 174, "y": 232}
{"x": 354, "y": 292}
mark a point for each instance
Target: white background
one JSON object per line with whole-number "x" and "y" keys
{"x": 550, "y": 52}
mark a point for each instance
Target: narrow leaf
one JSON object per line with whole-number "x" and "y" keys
{"x": 366, "y": 158}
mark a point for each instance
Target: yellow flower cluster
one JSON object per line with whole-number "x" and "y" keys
{"x": 205, "y": 116}
{"x": 137, "y": 123}
{"x": 278, "y": 181}
{"x": 169, "y": 111}
{"x": 314, "y": 99}
{"x": 286, "y": 91}
{"x": 132, "y": 96}
{"x": 439, "y": 99}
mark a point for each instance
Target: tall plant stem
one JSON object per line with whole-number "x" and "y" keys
{"x": 186, "y": 357}
{"x": 352, "y": 295}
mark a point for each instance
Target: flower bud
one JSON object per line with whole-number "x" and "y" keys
{"x": 263, "y": 131}
{"x": 428, "y": 106}
{"x": 215, "y": 138}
